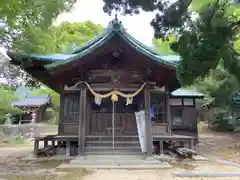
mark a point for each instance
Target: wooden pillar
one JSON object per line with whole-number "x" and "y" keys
{"x": 191, "y": 143}
{"x": 148, "y": 126}
{"x": 82, "y": 122}
{"x": 36, "y": 146}
{"x": 45, "y": 143}
{"x": 161, "y": 146}
{"x": 169, "y": 120}
{"x": 68, "y": 148}
{"x": 61, "y": 113}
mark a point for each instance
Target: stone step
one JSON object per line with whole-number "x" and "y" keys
{"x": 109, "y": 143}
{"x": 110, "y": 157}
{"x": 111, "y": 162}
{"x": 161, "y": 165}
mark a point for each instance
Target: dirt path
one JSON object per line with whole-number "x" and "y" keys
{"x": 14, "y": 153}
{"x": 224, "y": 145}
{"x": 9, "y": 158}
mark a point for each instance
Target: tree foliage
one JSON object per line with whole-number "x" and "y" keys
{"x": 17, "y": 19}
{"x": 17, "y": 16}
{"x": 162, "y": 45}
{"x": 207, "y": 32}
{"x": 56, "y": 39}
{"x": 6, "y": 98}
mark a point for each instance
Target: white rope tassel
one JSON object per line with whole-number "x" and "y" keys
{"x": 129, "y": 100}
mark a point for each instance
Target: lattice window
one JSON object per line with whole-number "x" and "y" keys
{"x": 158, "y": 107}
{"x": 177, "y": 117}
{"x": 71, "y": 108}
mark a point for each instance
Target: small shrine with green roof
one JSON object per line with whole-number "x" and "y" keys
{"x": 117, "y": 96}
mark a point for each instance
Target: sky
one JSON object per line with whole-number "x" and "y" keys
{"x": 137, "y": 25}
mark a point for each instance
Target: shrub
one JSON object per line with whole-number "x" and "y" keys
{"x": 223, "y": 121}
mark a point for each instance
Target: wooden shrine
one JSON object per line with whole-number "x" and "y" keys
{"x": 102, "y": 84}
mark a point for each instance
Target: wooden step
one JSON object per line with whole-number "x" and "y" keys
{"x": 109, "y": 138}
{"x": 116, "y": 152}
{"x": 109, "y": 143}
{"x": 97, "y": 148}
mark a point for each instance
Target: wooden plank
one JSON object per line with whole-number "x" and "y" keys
{"x": 148, "y": 125}
{"x": 111, "y": 73}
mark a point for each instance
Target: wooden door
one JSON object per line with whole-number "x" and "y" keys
{"x": 101, "y": 124}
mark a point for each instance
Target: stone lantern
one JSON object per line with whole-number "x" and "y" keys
{"x": 8, "y": 121}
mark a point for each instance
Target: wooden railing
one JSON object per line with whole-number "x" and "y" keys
{"x": 159, "y": 128}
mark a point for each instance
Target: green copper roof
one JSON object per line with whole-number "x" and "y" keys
{"x": 187, "y": 92}
{"x": 114, "y": 27}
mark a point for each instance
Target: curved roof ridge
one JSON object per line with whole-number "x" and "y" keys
{"x": 114, "y": 25}
{"x": 146, "y": 50}
{"x": 84, "y": 51}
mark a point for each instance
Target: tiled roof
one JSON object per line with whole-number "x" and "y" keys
{"x": 33, "y": 100}
{"x": 114, "y": 27}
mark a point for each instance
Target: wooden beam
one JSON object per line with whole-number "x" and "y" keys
{"x": 112, "y": 73}
{"x": 148, "y": 125}
{"x": 107, "y": 87}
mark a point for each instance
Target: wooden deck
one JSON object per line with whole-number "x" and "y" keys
{"x": 185, "y": 141}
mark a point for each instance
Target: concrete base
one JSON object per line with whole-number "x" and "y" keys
{"x": 161, "y": 165}
{"x": 116, "y": 162}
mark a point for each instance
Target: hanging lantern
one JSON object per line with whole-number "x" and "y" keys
{"x": 114, "y": 98}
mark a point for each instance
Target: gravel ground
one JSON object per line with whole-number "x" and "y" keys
{"x": 211, "y": 144}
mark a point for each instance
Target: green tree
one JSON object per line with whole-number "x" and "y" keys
{"x": 18, "y": 16}
{"x": 207, "y": 32}
{"x": 163, "y": 45}
{"x": 55, "y": 100}
{"x": 17, "y": 19}
{"x": 56, "y": 39}
{"x": 62, "y": 38}
{"x": 6, "y": 98}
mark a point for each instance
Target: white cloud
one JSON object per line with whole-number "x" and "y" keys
{"x": 136, "y": 25}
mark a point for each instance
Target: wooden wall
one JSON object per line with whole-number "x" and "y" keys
{"x": 189, "y": 114}
{"x": 69, "y": 113}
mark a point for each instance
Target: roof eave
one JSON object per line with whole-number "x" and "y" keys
{"x": 82, "y": 53}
